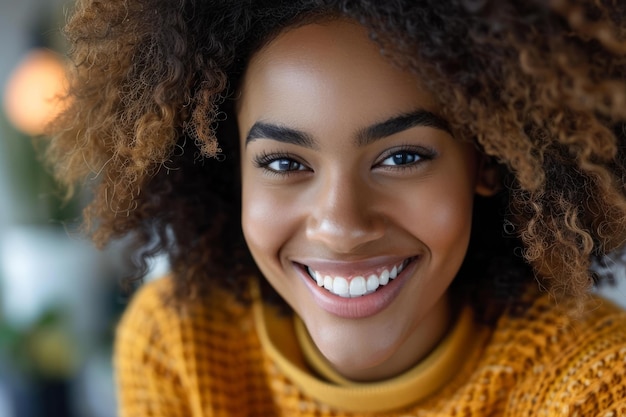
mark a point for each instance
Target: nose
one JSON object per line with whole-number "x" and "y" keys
{"x": 343, "y": 216}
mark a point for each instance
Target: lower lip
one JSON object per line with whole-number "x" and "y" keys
{"x": 363, "y": 306}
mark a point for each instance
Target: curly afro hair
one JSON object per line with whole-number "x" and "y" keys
{"x": 539, "y": 86}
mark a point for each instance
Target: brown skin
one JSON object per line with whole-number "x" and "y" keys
{"x": 540, "y": 85}
{"x": 347, "y": 208}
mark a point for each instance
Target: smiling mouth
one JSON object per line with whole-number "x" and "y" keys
{"x": 358, "y": 285}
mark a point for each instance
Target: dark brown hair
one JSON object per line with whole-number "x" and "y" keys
{"x": 538, "y": 85}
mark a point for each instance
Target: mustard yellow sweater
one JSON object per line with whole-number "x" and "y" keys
{"x": 249, "y": 361}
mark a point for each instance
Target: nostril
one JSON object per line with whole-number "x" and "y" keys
{"x": 343, "y": 237}
{"x": 342, "y": 217}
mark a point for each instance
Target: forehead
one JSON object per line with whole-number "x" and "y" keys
{"x": 330, "y": 65}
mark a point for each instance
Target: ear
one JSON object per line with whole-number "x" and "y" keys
{"x": 488, "y": 179}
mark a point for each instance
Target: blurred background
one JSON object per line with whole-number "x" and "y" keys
{"x": 59, "y": 297}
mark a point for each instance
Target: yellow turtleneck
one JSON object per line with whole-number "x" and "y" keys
{"x": 219, "y": 357}
{"x": 289, "y": 345}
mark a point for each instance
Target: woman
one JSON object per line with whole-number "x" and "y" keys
{"x": 358, "y": 201}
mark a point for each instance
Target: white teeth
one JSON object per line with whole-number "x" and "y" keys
{"x": 316, "y": 276}
{"x": 357, "y": 286}
{"x": 393, "y": 273}
{"x": 372, "y": 283}
{"x": 341, "y": 287}
{"x": 319, "y": 278}
{"x": 328, "y": 283}
{"x": 384, "y": 277}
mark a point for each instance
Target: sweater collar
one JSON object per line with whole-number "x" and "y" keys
{"x": 290, "y": 347}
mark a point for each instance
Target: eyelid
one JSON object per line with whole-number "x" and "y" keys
{"x": 425, "y": 152}
{"x": 264, "y": 159}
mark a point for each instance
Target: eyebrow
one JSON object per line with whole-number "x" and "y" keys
{"x": 391, "y": 126}
{"x": 261, "y": 130}
{"x": 399, "y": 124}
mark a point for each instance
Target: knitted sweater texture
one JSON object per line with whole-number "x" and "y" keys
{"x": 201, "y": 361}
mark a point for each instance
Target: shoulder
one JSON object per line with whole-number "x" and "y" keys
{"x": 155, "y": 324}
{"x": 151, "y": 310}
{"x": 159, "y": 294}
{"x": 151, "y": 298}
{"x": 568, "y": 358}
{"x": 172, "y": 357}
{"x": 147, "y": 313}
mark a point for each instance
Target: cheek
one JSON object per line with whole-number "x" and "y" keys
{"x": 257, "y": 220}
{"x": 451, "y": 226}
{"x": 441, "y": 217}
{"x": 452, "y": 212}
{"x": 455, "y": 195}
{"x": 267, "y": 220}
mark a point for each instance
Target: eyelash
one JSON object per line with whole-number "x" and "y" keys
{"x": 264, "y": 160}
{"x": 423, "y": 154}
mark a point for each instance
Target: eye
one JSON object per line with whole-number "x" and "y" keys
{"x": 405, "y": 157}
{"x": 279, "y": 163}
{"x": 284, "y": 164}
{"x": 401, "y": 158}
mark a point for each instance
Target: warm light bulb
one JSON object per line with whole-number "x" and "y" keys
{"x": 33, "y": 91}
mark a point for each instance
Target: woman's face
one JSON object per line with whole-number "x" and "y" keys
{"x": 357, "y": 201}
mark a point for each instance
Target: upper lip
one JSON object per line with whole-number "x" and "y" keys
{"x": 345, "y": 267}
